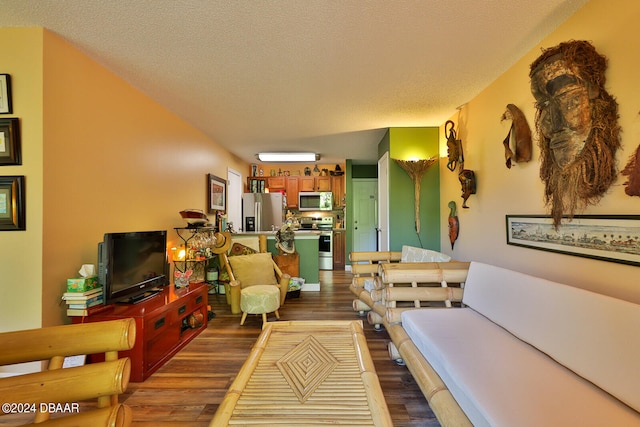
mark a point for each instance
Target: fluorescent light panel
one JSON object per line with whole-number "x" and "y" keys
{"x": 288, "y": 157}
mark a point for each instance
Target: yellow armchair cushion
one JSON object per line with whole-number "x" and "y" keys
{"x": 255, "y": 269}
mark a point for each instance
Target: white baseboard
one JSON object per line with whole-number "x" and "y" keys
{"x": 310, "y": 287}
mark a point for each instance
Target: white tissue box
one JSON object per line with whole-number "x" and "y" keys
{"x": 82, "y": 284}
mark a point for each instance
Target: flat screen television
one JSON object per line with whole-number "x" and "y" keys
{"x": 132, "y": 264}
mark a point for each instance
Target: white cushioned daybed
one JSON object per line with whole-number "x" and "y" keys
{"x": 525, "y": 351}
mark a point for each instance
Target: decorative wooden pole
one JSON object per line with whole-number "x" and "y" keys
{"x": 416, "y": 169}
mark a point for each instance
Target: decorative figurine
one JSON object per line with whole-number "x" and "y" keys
{"x": 285, "y": 239}
{"x": 182, "y": 279}
{"x": 454, "y": 224}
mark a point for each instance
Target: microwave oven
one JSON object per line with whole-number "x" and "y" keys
{"x": 315, "y": 201}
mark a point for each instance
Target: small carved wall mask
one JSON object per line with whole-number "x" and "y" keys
{"x": 454, "y": 148}
{"x": 520, "y": 133}
{"x": 468, "y": 182}
{"x": 632, "y": 170}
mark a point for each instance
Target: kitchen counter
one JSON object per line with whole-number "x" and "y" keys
{"x": 306, "y": 243}
{"x": 303, "y": 234}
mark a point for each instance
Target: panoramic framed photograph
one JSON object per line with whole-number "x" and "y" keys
{"x": 614, "y": 238}
{"x": 10, "y": 152}
{"x": 5, "y": 94}
{"x": 12, "y": 203}
{"x": 217, "y": 191}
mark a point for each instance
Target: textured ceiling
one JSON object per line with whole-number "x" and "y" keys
{"x": 327, "y": 76}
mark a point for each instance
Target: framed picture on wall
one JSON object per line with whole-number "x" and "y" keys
{"x": 5, "y": 94}
{"x": 12, "y": 203}
{"x": 614, "y": 238}
{"x": 10, "y": 152}
{"x": 217, "y": 191}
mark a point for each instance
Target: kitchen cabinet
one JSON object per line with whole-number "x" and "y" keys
{"x": 256, "y": 185}
{"x": 323, "y": 183}
{"x": 337, "y": 187}
{"x": 315, "y": 183}
{"x": 291, "y": 189}
{"x": 276, "y": 182}
{"x": 307, "y": 183}
{"x": 339, "y": 250}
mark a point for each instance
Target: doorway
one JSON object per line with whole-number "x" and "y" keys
{"x": 383, "y": 205}
{"x": 365, "y": 218}
{"x": 234, "y": 198}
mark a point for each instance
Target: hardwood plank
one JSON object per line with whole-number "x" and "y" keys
{"x": 188, "y": 389}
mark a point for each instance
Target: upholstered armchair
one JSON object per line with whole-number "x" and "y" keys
{"x": 256, "y": 283}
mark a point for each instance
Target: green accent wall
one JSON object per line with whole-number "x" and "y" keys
{"x": 307, "y": 248}
{"x": 408, "y": 144}
{"x": 404, "y": 144}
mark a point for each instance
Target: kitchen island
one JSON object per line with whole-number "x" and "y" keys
{"x": 306, "y": 243}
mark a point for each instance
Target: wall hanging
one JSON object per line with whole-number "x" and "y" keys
{"x": 12, "y": 203}
{"x": 10, "y": 150}
{"x": 216, "y": 193}
{"x": 576, "y": 122}
{"x": 614, "y": 238}
{"x": 454, "y": 224}
{"x": 467, "y": 180}
{"x": 454, "y": 147}
{"x": 632, "y": 171}
{"x": 519, "y": 137}
{"x": 416, "y": 169}
{"x": 5, "y": 94}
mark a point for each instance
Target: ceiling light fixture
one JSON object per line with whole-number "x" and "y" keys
{"x": 288, "y": 157}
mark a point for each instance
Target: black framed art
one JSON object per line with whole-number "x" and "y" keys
{"x": 217, "y": 194}
{"x": 5, "y": 94}
{"x": 614, "y": 238}
{"x": 10, "y": 150}
{"x": 12, "y": 203}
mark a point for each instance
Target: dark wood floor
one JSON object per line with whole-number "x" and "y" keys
{"x": 187, "y": 390}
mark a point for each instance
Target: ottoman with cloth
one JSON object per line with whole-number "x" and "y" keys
{"x": 259, "y": 299}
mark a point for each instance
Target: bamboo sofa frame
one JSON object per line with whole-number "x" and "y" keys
{"x": 399, "y": 287}
{"x": 421, "y": 293}
{"x": 395, "y": 282}
{"x": 102, "y": 381}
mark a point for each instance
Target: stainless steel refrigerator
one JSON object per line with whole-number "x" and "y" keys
{"x": 262, "y": 211}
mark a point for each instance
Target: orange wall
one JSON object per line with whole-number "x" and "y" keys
{"x": 114, "y": 161}
{"x": 98, "y": 156}
{"x": 612, "y": 28}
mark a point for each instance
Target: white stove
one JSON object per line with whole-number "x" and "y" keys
{"x": 324, "y": 225}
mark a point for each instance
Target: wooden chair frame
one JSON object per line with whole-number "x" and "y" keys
{"x": 101, "y": 381}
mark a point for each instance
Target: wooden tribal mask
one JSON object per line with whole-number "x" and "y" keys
{"x": 519, "y": 136}
{"x": 576, "y": 121}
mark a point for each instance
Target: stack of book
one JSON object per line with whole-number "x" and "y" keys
{"x": 84, "y": 303}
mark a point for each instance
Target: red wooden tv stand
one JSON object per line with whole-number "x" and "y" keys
{"x": 162, "y": 325}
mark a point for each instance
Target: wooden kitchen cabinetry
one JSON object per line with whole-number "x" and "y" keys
{"x": 339, "y": 250}
{"x": 315, "y": 183}
{"x": 276, "y": 182}
{"x": 337, "y": 187}
{"x": 292, "y": 190}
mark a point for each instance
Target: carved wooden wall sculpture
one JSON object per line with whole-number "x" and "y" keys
{"x": 577, "y": 126}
